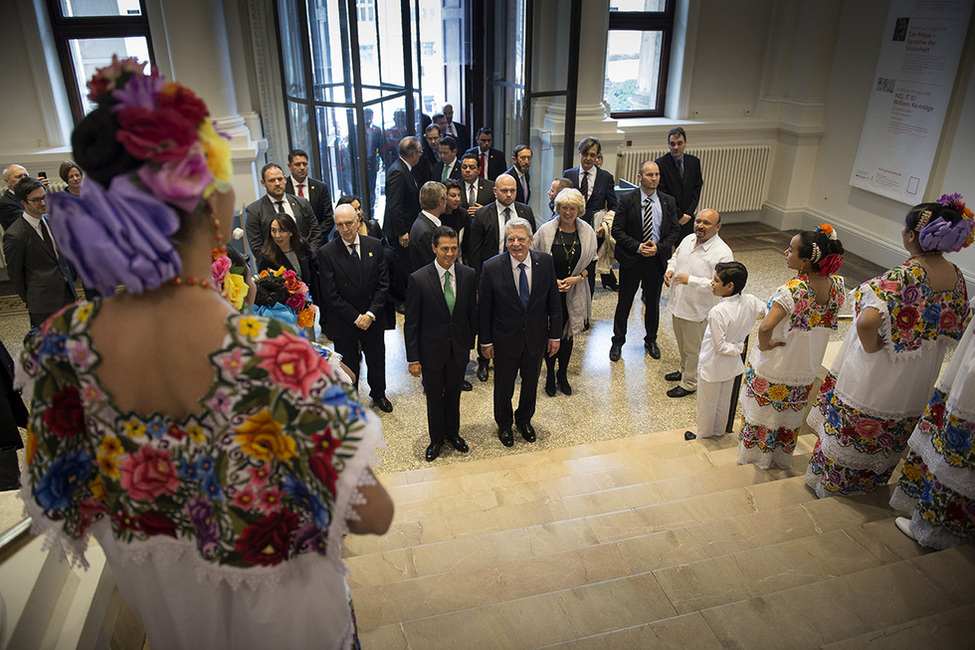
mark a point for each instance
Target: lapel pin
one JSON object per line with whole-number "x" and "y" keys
{"x": 370, "y": 253}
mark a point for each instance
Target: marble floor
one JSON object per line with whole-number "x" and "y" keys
{"x": 609, "y": 400}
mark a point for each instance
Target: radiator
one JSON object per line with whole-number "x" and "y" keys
{"x": 734, "y": 176}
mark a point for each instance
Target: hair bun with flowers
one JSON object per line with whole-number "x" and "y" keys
{"x": 947, "y": 235}
{"x": 152, "y": 144}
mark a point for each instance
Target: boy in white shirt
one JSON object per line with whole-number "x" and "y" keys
{"x": 729, "y": 322}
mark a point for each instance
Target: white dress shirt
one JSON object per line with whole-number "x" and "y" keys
{"x": 724, "y": 339}
{"x": 36, "y": 225}
{"x": 693, "y": 300}
{"x": 285, "y": 203}
{"x": 501, "y": 222}
{"x": 436, "y": 220}
{"x": 590, "y": 180}
{"x": 516, "y": 273}
{"x": 303, "y": 185}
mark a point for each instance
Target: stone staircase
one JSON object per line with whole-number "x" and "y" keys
{"x": 648, "y": 541}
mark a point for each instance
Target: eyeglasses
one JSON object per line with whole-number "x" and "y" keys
{"x": 38, "y": 200}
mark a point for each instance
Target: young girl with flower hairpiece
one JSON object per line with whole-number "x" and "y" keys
{"x": 906, "y": 320}
{"x": 214, "y": 455}
{"x": 802, "y": 314}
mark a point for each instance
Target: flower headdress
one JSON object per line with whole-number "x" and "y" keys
{"x": 154, "y": 147}
{"x": 943, "y": 236}
{"x": 827, "y": 264}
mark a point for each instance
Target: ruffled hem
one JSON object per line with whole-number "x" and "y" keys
{"x": 764, "y": 460}
{"x": 958, "y": 479}
{"x": 878, "y": 463}
{"x": 771, "y": 417}
{"x": 51, "y": 530}
{"x": 849, "y": 400}
{"x": 925, "y": 533}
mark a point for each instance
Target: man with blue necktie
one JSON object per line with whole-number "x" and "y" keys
{"x": 520, "y": 319}
{"x": 646, "y": 228}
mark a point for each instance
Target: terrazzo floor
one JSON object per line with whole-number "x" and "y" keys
{"x": 609, "y": 400}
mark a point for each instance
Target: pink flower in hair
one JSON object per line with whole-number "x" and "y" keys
{"x": 219, "y": 268}
{"x": 180, "y": 183}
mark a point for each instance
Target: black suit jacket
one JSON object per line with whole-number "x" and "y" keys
{"x": 10, "y": 209}
{"x": 42, "y": 280}
{"x": 321, "y": 203}
{"x": 261, "y": 213}
{"x": 433, "y": 335}
{"x": 485, "y": 232}
{"x": 521, "y": 197}
{"x": 628, "y": 229}
{"x": 421, "y": 242}
{"x": 402, "y": 201}
{"x": 424, "y": 170}
{"x": 349, "y": 288}
{"x": 484, "y": 193}
{"x": 686, "y": 192}
{"x": 603, "y": 196}
{"x": 463, "y": 136}
{"x": 496, "y": 162}
{"x": 504, "y": 322}
{"x": 454, "y": 171}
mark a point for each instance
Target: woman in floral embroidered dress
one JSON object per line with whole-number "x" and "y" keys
{"x": 791, "y": 342}
{"x": 906, "y": 320}
{"x": 937, "y": 484}
{"x": 212, "y": 454}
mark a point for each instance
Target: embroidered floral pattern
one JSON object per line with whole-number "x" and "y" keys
{"x": 843, "y": 481}
{"x": 251, "y": 480}
{"x": 937, "y": 503}
{"x": 806, "y": 312}
{"x": 866, "y": 434}
{"x": 917, "y": 313}
{"x": 757, "y": 435}
{"x": 782, "y": 397}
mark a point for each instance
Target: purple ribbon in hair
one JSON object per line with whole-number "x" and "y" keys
{"x": 939, "y": 235}
{"x": 117, "y": 237}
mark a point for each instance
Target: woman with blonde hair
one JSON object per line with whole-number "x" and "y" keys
{"x": 572, "y": 244}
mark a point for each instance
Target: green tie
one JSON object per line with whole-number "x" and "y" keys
{"x": 448, "y": 292}
{"x": 443, "y": 174}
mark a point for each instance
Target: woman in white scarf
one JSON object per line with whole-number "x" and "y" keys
{"x": 572, "y": 244}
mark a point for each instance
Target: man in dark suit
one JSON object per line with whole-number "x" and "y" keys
{"x": 260, "y": 213}
{"x": 40, "y": 275}
{"x": 354, "y": 283}
{"x": 449, "y": 165}
{"x": 491, "y": 160}
{"x": 303, "y": 186}
{"x": 433, "y": 200}
{"x": 441, "y": 318}
{"x": 486, "y": 238}
{"x": 645, "y": 228}
{"x": 426, "y": 169}
{"x": 10, "y": 207}
{"x": 680, "y": 177}
{"x": 521, "y": 160}
{"x": 476, "y": 192}
{"x": 519, "y": 320}
{"x": 595, "y": 184}
{"x": 460, "y": 132}
{"x": 402, "y": 202}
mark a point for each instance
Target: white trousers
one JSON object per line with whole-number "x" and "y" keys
{"x": 713, "y": 405}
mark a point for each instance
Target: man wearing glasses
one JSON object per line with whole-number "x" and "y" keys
{"x": 41, "y": 277}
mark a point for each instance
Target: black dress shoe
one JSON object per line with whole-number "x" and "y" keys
{"x": 466, "y": 386}
{"x": 382, "y": 404}
{"x": 609, "y": 282}
{"x": 550, "y": 389}
{"x": 679, "y": 391}
{"x": 615, "y": 352}
{"x": 433, "y": 451}
{"x": 527, "y": 431}
{"x": 506, "y": 437}
{"x": 652, "y": 349}
{"x": 483, "y": 370}
{"x": 458, "y": 443}
{"x": 564, "y": 386}
{"x": 673, "y": 376}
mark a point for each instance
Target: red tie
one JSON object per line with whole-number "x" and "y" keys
{"x": 47, "y": 238}
{"x": 483, "y": 167}
{"x": 301, "y": 190}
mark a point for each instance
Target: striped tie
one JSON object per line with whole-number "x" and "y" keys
{"x": 648, "y": 221}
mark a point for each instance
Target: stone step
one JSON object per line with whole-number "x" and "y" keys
{"x": 512, "y": 498}
{"x": 635, "y": 611}
{"x": 693, "y": 574}
{"x": 950, "y": 629}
